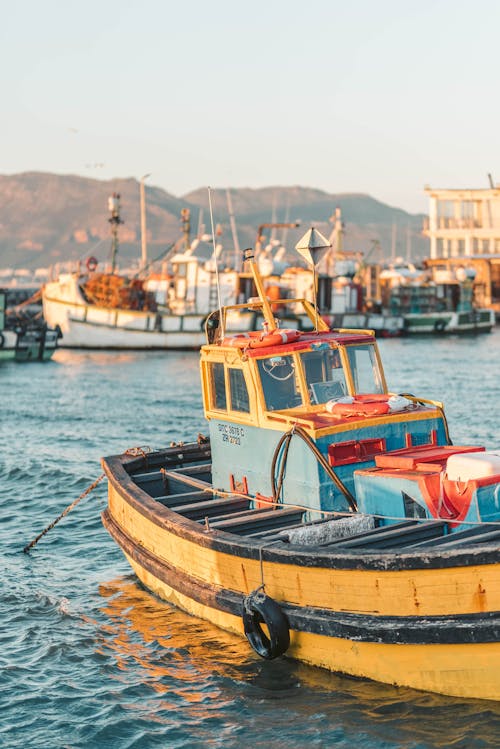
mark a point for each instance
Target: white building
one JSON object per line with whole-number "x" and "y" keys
{"x": 464, "y": 232}
{"x": 463, "y": 222}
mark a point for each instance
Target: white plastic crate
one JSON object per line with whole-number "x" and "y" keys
{"x": 466, "y": 466}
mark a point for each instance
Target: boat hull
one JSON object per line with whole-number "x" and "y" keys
{"x": 424, "y": 620}
{"x": 25, "y": 346}
{"x": 475, "y": 321}
{"x": 92, "y": 327}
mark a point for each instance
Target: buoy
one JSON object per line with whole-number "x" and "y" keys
{"x": 255, "y": 339}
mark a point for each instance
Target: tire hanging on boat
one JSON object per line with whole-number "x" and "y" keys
{"x": 259, "y": 608}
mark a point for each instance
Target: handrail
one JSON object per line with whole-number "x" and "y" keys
{"x": 438, "y": 404}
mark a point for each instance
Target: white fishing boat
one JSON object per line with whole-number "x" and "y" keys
{"x": 103, "y": 310}
{"x": 108, "y": 310}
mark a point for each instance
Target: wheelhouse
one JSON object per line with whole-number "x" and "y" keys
{"x": 305, "y": 375}
{"x": 254, "y": 394}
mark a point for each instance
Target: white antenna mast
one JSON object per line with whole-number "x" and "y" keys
{"x": 237, "y": 252}
{"x": 221, "y": 319}
{"x": 200, "y": 224}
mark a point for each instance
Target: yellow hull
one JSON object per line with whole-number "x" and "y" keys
{"x": 418, "y": 592}
{"x": 469, "y": 671}
{"x": 188, "y": 567}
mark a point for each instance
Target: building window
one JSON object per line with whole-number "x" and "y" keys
{"x": 238, "y": 391}
{"x": 218, "y": 387}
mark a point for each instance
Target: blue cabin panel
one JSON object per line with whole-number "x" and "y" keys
{"x": 244, "y": 454}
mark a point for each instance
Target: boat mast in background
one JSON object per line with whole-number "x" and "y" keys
{"x": 144, "y": 252}
{"x": 336, "y": 240}
{"x": 271, "y": 225}
{"x": 232, "y": 222}
{"x": 115, "y": 221}
{"x": 221, "y": 317}
{"x": 186, "y": 228}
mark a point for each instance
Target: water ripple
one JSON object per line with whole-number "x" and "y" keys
{"x": 90, "y": 659}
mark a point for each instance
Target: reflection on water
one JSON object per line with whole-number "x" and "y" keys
{"x": 214, "y": 676}
{"x": 95, "y": 357}
{"x": 141, "y": 625}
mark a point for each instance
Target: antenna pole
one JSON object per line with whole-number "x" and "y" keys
{"x": 115, "y": 221}
{"x": 315, "y": 293}
{"x": 221, "y": 318}
{"x": 144, "y": 250}
{"x": 236, "y": 243}
{"x": 186, "y": 227}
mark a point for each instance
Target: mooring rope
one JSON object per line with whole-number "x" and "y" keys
{"x": 262, "y": 546}
{"x": 64, "y": 512}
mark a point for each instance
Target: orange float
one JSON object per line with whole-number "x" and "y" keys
{"x": 361, "y": 405}
{"x": 254, "y": 339}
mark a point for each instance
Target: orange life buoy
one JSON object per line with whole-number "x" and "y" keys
{"x": 91, "y": 263}
{"x": 254, "y": 339}
{"x": 360, "y": 405}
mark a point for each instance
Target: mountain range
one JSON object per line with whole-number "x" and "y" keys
{"x": 49, "y": 218}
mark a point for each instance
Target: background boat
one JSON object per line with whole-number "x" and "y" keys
{"x": 431, "y": 300}
{"x": 24, "y": 337}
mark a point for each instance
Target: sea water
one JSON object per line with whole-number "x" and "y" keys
{"x": 88, "y": 658}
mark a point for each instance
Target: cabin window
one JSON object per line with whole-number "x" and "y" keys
{"x": 279, "y": 383}
{"x": 238, "y": 392}
{"x": 218, "y": 387}
{"x": 324, "y": 374}
{"x": 365, "y": 371}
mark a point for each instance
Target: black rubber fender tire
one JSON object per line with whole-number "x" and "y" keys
{"x": 439, "y": 326}
{"x": 2, "y": 340}
{"x": 259, "y": 608}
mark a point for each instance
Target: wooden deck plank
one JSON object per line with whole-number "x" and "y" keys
{"x": 200, "y": 510}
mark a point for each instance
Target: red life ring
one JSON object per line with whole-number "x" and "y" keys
{"x": 254, "y": 339}
{"x": 91, "y": 263}
{"x": 361, "y": 405}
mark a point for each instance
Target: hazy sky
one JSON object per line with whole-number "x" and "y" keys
{"x": 380, "y": 96}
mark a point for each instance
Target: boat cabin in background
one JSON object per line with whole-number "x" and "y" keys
{"x": 434, "y": 299}
{"x": 24, "y": 337}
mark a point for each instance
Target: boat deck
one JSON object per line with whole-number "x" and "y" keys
{"x": 186, "y": 489}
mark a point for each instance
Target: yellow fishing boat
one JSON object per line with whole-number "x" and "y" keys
{"x": 325, "y": 518}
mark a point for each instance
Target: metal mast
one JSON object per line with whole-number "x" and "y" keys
{"x": 115, "y": 221}
{"x": 144, "y": 248}
{"x": 186, "y": 227}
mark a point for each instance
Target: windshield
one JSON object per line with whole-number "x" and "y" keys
{"x": 364, "y": 369}
{"x": 280, "y": 383}
{"x": 324, "y": 375}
